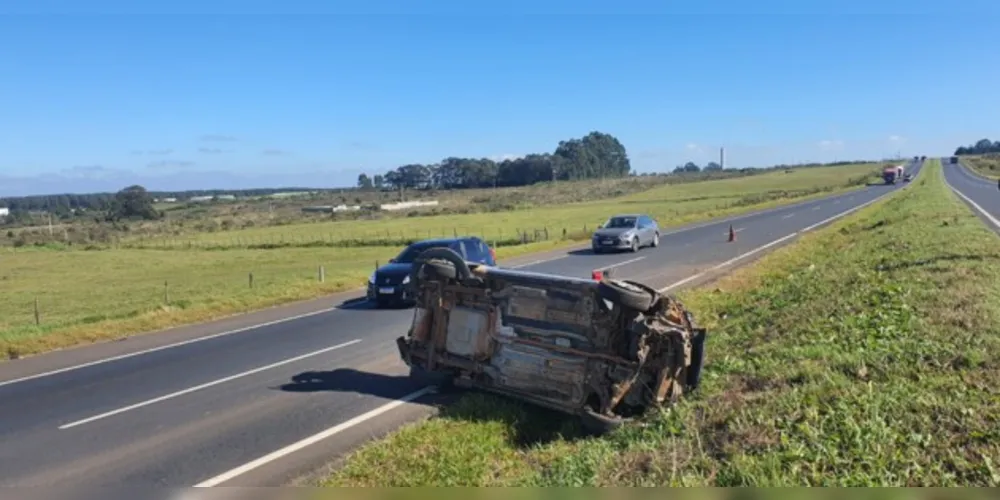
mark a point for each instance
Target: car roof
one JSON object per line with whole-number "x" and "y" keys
{"x": 442, "y": 241}
{"x": 628, "y": 215}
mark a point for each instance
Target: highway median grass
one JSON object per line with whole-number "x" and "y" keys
{"x": 862, "y": 355}
{"x": 86, "y": 296}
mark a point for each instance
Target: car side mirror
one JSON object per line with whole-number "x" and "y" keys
{"x": 392, "y": 261}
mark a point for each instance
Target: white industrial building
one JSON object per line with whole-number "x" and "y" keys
{"x": 4, "y": 212}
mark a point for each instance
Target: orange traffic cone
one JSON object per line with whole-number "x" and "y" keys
{"x": 732, "y": 234}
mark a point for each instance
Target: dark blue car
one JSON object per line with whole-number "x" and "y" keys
{"x": 388, "y": 284}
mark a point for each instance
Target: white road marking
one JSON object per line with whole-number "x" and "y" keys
{"x": 735, "y": 230}
{"x": 536, "y": 262}
{"x": 168, "y": 346}
{"x": 789, "y": 216}
{"x": 975, "y": 205}
{"x": 617, "y": 264}
{"x": 292, "y": 448}
{"x": 836, "y": 202}
{"x": 206, "y": 385}
{"x": 816, "y": 207}
{"x": 768, "y": 245}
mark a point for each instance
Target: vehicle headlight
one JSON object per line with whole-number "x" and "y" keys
{"x": 626, "y": 236}
{"x": 406, "y": 279}
{"x": 371, "y": 279}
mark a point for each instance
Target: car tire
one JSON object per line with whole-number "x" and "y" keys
{"x": 598, "y": 424}
{"x": 635, "y": 245}
{"x": 443, "y": 269}
{"x": 381, "y": 303}
{"x": 656, "y": 240}
{"x": 626, "y": 295}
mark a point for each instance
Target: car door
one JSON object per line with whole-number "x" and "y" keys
{"x": 645, "y": 236}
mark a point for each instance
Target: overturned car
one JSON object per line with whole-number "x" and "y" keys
{"x": 602, "y": 350}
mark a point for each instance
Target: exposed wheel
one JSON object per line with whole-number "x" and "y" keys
{"x": 442, "y": 268}
{"x": 626, "y": 294}
{"x": 635, "y": 245}
{"x": 656, "y": 240}
{"x": 598, "y": 424}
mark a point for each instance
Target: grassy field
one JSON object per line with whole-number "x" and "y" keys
{"x": 987, "y": 165}
{"x": 90, "y": 295}
{"x": 862, "y": 355}
{"x": 671, "y": 204}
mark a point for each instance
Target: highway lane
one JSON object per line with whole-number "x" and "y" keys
{"x": 980, "y": 191}
{"x": 177, "y": 416}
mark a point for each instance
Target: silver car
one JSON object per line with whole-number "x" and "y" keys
{"x": 626, "y": 232}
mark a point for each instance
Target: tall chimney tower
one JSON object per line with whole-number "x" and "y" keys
{"x": 722, "y": 157}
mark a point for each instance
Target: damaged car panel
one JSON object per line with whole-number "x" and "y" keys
{"x": 603, "y": 350}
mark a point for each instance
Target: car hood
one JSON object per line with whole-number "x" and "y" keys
{"x": 394, "y": 269}
{"x": 612, "y": 232}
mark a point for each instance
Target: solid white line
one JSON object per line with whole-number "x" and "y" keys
{"x": 769, "y": 245}
{"x": 168, "y": 346}
{"x": 292, "y": 448}
{"x": 975, "y": 205}
{"x": 206, "y": 385}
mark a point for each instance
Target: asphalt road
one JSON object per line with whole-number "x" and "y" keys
{"x": 178, "y": 415}
{"x": 979, "y": 192}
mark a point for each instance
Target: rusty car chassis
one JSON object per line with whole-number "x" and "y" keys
{"x": 605, "y": 351}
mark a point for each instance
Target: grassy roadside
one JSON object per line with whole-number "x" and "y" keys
{"x": 985, "y": 165}
{"x": 862, "y": 355}
{"x": 91, "y": 296}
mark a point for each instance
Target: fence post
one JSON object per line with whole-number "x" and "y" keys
{"x": 38, "y": 316}
{"x": 251, "y": 279}
{"x": 166, "y": 293}
{"x": 322, "y": 274}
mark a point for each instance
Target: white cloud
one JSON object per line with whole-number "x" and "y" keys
{"x": 831, "y": 144}
{"x": 895, "y": 139}
{"x": 693, "y": 147}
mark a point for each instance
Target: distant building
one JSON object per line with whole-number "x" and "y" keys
{"x": 4, "y": 212}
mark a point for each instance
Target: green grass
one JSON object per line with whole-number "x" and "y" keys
{"x": 986, "y": 165}
{"x": 865, "y": 354}
{"x": 91, "y": 295}
{"x": 672, "y": 204}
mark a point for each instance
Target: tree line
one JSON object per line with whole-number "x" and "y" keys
{"x": 981, "y": 147}
{"x": 66, "y": 203}
{"x": 595, "y": 155}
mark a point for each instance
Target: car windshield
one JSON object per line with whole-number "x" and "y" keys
{"x": 411, "y": 252}
{"x": 619, "y": 222}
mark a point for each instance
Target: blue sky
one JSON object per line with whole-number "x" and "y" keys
{"x": 96, "y": 95}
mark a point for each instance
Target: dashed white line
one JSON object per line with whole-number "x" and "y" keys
{"x": 292, "y": 448}
{"x": 768, "y": 245}
{"x": 206, "y": 385}
{"x": 789, "y": 216}
{"x": 817, "y": 207}
{"x": 617, "y": 264}
{"x": 168, "y": 346}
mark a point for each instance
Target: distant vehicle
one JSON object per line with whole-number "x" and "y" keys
{"x": 389, "y": 283}
{"x": 626, "y": 232}
{"x": 907, "y": 177}
{"x": 890, "y": 175}
{"x": 954, "y": 160}
{"x": 923, "y": 158}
